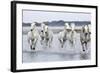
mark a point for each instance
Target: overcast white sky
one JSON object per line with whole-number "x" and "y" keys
{"x": 41, "y": 16}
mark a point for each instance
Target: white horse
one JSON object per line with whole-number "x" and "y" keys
{"x": 85, "y": 37}
{"x": 46, "y": 36}
{"x": 33, "y": 36}
{"x": 72, "y": 35}
{"x": 63, "y": 36}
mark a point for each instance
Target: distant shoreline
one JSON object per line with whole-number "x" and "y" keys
{"x": 59, "y": 23}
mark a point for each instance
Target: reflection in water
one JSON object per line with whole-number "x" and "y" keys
{"x": 45, "y": 57}
{"x": 55, "y": 53}
{"x": 84, "y": 56}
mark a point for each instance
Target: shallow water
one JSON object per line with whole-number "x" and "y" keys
{"x": 54, "y": 53}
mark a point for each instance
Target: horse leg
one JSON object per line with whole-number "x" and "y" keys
{"x": 61, "y": 42}
{"x": 50, "y": 42}
{"x": 83, "y": 46}
{"x": 34, "y": 44}
{"x": 30, "y": 41}
{"x": 41, "y": 41}
{"x": 62, "y": 45}
{"x": 42, "y": 38}
{"x": 71, "y": 41}
{"x": 46, "y": 42}
{"x": 86, "y": 45}
{"x": 73, "y": 44}
{"x": 31, "y": 47}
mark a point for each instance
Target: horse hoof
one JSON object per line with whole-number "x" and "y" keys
{"x": 33, "y": 48}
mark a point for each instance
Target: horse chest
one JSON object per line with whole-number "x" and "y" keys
{"x": 45, "y": 36}
{"x": 33, "y": 35}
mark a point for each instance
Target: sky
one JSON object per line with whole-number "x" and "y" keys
{"x": 30, "y": 16}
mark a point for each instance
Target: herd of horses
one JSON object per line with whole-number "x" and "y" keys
{"x": 67, "y": 34}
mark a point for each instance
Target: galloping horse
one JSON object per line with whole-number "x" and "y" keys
{"x": 46, "y": 36}
{"x": 85, "y": 36}
{"x": 63, "y": 36}
{"x": 33, "y": 36}
{"x": 72, "y": 34}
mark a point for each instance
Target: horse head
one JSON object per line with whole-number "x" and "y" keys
{"x": 33, "y": 26}
{"x": 46, "y": 29}
{"x": 72, "y": 26}
{"x": 42, "y": 26}
{"x": 66, "y": 27}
